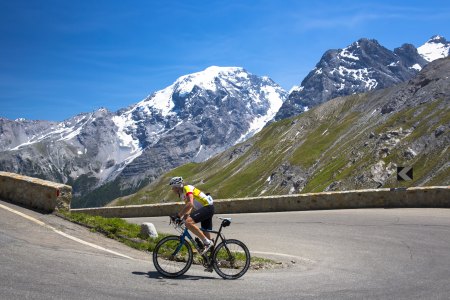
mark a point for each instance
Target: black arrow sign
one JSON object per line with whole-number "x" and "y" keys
{"x": 404, "y": 173}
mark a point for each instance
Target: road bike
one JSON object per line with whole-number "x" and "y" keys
{"x": 173, "y": 255}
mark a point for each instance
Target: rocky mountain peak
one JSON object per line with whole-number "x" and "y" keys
{"x": 436, "y": 47}
{"x": 362, "y": 66}
{"x": 209, "y": 79}
{"x": 102, "y": 154}
{"x": 437, "y": 39}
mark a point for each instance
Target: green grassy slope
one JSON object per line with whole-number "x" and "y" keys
{"x": 346, "y": 143}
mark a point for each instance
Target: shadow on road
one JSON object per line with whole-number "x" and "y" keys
{"x": 157, "y": 275}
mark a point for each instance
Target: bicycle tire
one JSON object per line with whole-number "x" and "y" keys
{"x": 169, "y": 265}
{"x": 231, "y": 259}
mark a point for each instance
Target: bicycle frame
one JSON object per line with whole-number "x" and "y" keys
{"x": 221, "y": 255}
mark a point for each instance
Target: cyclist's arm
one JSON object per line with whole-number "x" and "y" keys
{"x": 189, "y": 205}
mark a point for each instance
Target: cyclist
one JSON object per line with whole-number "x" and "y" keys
{"x": 202, "y": 205}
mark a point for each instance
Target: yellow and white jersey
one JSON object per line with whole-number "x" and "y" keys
{"x": 200, "y": 198}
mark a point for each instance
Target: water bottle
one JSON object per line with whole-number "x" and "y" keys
{"x": 199, "y": 243}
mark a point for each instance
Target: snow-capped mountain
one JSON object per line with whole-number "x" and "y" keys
{"x": 196, "y": 117}
{"x": 363, "y": 66}
{"x": 217, "y": 94}
{"x": 106, "y": 154}
{"x": 407, "y": 124}
{"x": 435, "y": 48}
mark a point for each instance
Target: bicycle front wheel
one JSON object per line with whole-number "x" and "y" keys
{"x": 171, "y": 257}
{"x": 231, "y": 259}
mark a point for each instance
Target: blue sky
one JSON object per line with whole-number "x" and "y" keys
{"x": 60, "y": 58}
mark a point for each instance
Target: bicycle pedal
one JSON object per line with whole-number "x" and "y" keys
{"x": 209, "y": 269}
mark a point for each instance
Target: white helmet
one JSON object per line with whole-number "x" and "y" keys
{"x": 176, "y": 182}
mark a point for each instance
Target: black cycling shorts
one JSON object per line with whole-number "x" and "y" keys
{"x": 204, "y": 215}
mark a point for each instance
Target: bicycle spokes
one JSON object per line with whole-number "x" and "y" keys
{"x": 171, "y": 257}
{"x": 231, "y": 259}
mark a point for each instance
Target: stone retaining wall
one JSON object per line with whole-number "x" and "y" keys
{"x": 48, "y": 196}
{"x": 34, "y": 193}
{"x": 438, "y": 197}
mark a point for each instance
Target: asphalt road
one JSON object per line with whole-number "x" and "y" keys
{"x": 342, "y": 254}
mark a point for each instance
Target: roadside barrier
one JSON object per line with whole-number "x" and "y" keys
{"x": 48, "y": 196}
{"x": 34, "y": 193}
{"x": 436, "y": 196}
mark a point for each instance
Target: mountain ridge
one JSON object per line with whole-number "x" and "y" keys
{"x": 360, "y": 67}
{"x": 199, "y": 115}
{"x": 106, "y": 154}
{"x": 349, "y": 142}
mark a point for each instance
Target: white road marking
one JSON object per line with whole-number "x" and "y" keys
{"x": 63, "y": 233}
{"x": 23, "y": 215}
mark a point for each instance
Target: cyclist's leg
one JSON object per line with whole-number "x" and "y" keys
{"x": 205, "y": 227}
{"x": 207, "y": 224}
{"x": 190, "y": 224}
{"x": 200, "y": 215}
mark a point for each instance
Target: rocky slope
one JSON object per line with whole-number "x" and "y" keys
{"x": 347, "y": 143}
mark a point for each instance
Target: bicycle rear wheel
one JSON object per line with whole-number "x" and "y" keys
{"x": 171, "y": 258}
{"x": 231, "y": 259}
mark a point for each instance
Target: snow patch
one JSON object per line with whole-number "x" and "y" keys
{"x": 434, "y": 49}
{"x": 394, "y": 64}
{"x": 126, "y": 139}
{"x": 416, "y": 67}
{"x": 199, "y": 150}
{"x": 64, "y": 132}
{"x": 362, "y": 75}
{"x": 296, "y": 88}
{"x": 259, "y": 122}
{"x": 347, "y": 54}
{"x": 160, "y": 101}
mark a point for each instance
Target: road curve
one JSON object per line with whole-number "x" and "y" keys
{"x": 371, "y": 254}
{"x": 361, "y": 253}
